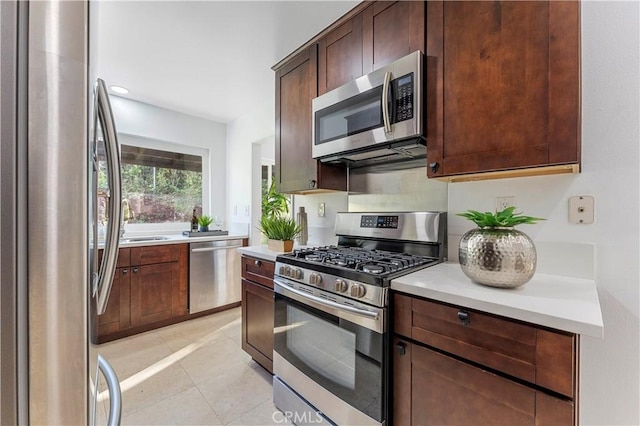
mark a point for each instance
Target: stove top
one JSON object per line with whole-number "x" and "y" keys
{"x": 375, "y": 267}
{"x": 375, "y": 262}
{"x": 373, "y": 249}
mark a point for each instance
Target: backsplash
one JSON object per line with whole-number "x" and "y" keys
{"x": 409, "y": 190}
{"x": 401, "y": 190}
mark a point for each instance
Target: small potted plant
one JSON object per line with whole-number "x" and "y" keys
{"x": 204, "y": 221}
{"x": 496, "y": 254}
{"x": 280, "y": 232}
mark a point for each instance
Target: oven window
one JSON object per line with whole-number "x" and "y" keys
{"x": 328, "y": 350}
{"x": 351, "y": 116}
{"x": 343, "y": 357}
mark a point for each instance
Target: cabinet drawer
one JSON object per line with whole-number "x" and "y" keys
{"x": 124, "y": 257}
{"x": 149, "y": 255}
{"x": 258, "y": 270}
{"x": 546, "y": 358}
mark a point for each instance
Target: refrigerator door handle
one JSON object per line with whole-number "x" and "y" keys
{"x": 115, "y": 394}
{"x": 103, "y": 113}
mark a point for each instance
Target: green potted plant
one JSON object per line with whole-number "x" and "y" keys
{"x": 204, "y": 221}
{"x": 496, "y": 254}
{"x": 280, "y": 232}
{"x": 274, "y": 203}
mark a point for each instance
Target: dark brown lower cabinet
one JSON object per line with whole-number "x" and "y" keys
{"x": 257, "y": 323}
{"x": 257, "y": 310}
{"x": 155, "y": 289}
{"x": 149, "y": 290}
{"x": 458, "y": 366}
{"x": 431, "y": 388}
{"x": 116, "y": 316}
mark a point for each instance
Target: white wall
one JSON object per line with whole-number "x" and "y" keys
{"x": 321, "y": 229}
{"x": 610, "y": 370}
{"x": 140, "y": 122}
{"x": 255, "y": 126}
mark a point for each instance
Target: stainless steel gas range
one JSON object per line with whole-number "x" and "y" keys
{"x": 331, "y": 345}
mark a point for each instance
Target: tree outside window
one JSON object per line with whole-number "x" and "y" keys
{"x": 158, "y": 186}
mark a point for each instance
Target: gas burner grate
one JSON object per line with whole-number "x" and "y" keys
{"x": 376, "y": 262}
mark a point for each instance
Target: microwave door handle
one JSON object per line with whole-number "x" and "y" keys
{"x": 385, "y": 102}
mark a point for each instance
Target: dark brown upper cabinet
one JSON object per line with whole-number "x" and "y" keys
{"x": 340, "y": 55}
{"x": 296, "y": 170}
{"x": 504, "y": 93}
{"x": 391, "y": 30}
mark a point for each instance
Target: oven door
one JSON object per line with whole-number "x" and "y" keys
{"x": 333, "y": 356}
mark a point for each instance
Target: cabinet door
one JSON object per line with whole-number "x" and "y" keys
{"x": 391, "y": 30}
{"x": 340, "y": 55}
{"x": 431, "y": 388}
{"x": 401, "y": 386}
{"x": 439, "y": 390}
{"x": 155, "y": 289}
{"x": 296, "y": 170}
{"x": 257, "y": 323}
{"x": 116, "y": 315}
{"x": 508, "y": 85}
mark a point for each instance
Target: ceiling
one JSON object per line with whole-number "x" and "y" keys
{"x": 211, "y": 59}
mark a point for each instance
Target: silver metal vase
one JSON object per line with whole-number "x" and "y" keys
{"x": 497, "y": 257}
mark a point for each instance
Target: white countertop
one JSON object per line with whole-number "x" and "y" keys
{"x": 563, "y": 303}
{"x": 177, "y": 239}
{"x": 261, "y": 252}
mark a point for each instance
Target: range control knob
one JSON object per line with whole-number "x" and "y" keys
{"x": 287, "y": 271}
{"x": 340, "y": 286}
{"x": 297, "y": 274}
{"x": 315, "y": 278}
{"x": 358, "y": 290}
{"x": 281, "y": 270}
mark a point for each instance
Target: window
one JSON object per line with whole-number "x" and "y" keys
{"x": 158, "y": 186}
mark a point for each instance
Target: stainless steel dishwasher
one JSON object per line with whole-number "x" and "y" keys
{"x": 214, "y": 274}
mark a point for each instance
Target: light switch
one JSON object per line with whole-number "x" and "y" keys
{"x": 582, "y": 209}
{"x": 320, "y": 209}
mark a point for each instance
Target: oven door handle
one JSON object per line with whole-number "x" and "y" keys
{"x": 310, "y": 297}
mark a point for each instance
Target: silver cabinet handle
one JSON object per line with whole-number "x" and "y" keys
{"x": 385, "y": 102}
{"x": 199, "y": 250}
{"x": 103, "y": 114}
{"x": 115, "y": 394}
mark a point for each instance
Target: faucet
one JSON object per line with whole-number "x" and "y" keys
{"x": 127, "y": 215}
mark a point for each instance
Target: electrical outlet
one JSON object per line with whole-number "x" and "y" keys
{"x": 320, "y": 209}
{"x": 504, "y": 202}
{"x": 582, "y": 209}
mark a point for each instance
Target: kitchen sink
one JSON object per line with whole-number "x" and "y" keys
{"x": 139, "y": 239}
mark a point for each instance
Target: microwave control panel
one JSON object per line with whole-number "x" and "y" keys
{"x": 402, "y": 108}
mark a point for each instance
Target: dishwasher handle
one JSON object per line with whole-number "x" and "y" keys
{"x": 203, "y": 249}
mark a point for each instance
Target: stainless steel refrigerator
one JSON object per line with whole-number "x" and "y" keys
{"x": 51, "y": 286}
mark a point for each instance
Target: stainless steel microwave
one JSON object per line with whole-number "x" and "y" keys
{"x": 374, "y": 119}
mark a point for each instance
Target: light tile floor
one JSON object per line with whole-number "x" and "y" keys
{"x": 192, "y": 373}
